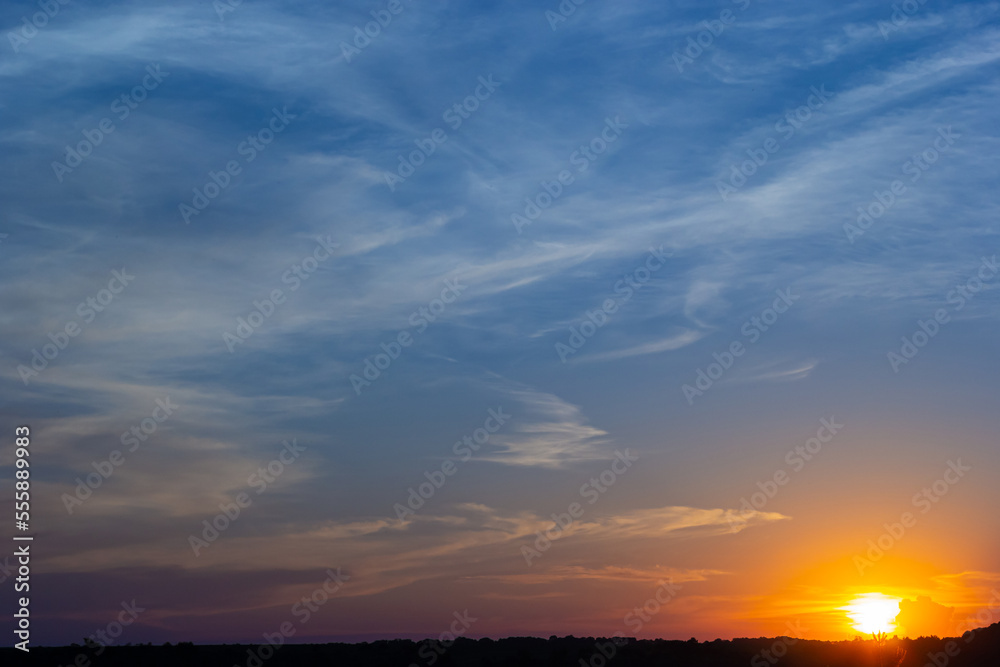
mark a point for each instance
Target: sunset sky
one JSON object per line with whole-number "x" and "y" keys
{"x": 535, "y": 317}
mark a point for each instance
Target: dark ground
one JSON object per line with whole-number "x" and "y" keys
{"x": 981, "y": 650}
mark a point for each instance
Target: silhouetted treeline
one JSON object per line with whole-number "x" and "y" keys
{"x": 982, "y": 649}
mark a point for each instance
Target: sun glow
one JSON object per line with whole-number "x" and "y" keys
{"x": 873, "y": 612}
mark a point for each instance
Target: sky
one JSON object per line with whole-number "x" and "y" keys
{"x": 669, "y": 319}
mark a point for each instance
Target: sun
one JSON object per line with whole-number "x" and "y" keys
{"x": 873, "y": 612}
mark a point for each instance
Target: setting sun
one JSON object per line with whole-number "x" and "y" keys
{"x": 873, "y": 612}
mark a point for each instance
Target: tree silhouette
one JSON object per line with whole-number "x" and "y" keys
{"x": 881, "y": 639}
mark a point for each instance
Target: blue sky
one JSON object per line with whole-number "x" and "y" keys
{"x": 672, "y": 134}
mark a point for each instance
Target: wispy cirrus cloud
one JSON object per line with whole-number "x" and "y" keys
{"x": 549, "y": 433}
